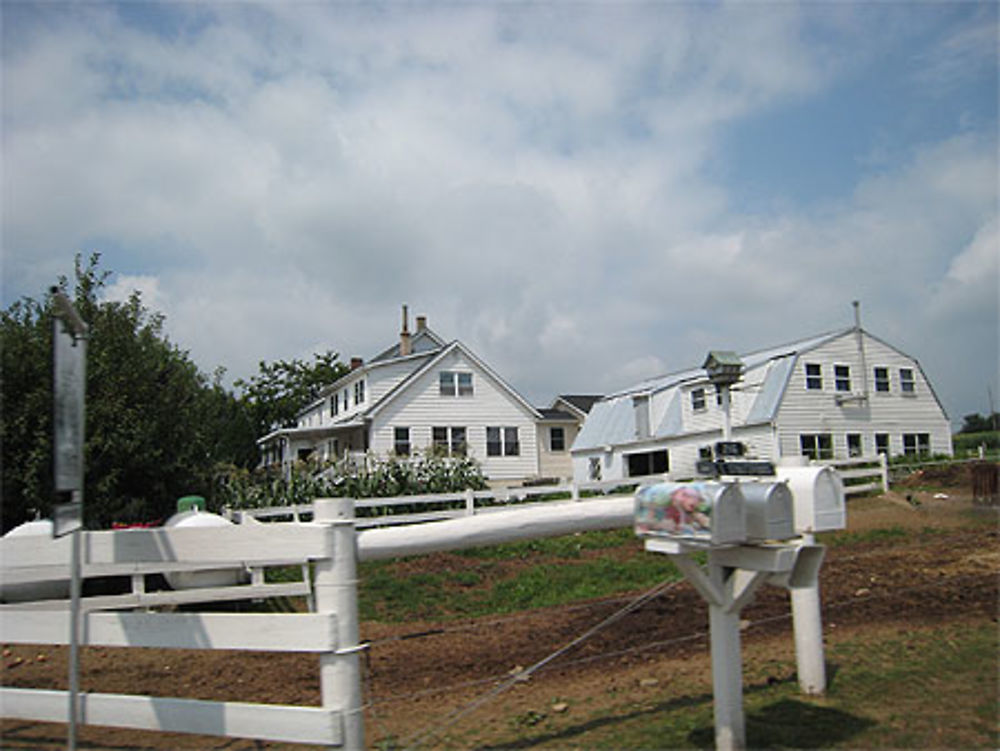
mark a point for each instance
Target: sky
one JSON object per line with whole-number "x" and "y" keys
{"x": 586, "y": 194}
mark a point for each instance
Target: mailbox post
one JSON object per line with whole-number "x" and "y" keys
{"x": 749, "y": 533}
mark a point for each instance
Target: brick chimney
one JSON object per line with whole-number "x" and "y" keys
{"x": 405, "y": 347}
{"x": 356, "y": 362}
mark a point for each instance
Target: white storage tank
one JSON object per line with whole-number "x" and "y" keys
{"x": 818, "y": 497}
{"x": 45, "y": 589}
{"x": 707, "y": 512}
{"x": 769, "y": 511}
{"x": 224, "y": 577}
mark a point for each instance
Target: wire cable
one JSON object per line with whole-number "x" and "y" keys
{"x": 524, "y": 675}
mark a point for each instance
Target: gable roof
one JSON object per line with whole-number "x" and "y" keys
{"x": 579, "y": 403}
{"x": 431, "y": 362}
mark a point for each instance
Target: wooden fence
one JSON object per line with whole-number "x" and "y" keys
{"x": 331, "y": 632}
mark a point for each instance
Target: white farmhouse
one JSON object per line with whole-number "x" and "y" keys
{"x": 423, "y": 392}
{"x": 836, "y": 395}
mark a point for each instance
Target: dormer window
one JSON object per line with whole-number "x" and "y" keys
{"x": 698, "y": 400}
{"x": 814, "y": 376}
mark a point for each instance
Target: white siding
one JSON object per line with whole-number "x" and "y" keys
{"x": 384, "y": 378}
{"x": 799, "y": 411}
{"x": 810, "y": 411}
{"x": 422, "y": 407}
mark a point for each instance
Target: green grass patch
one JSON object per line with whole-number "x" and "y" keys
{"x": 879, "y": 534}
{"x": 511, "y": 577}
{"x": 928, "y": 688}
{"x": 566, "y": 546}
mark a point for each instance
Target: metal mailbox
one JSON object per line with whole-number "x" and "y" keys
{"x": 818, "y": 492}
{"x": 769, "y": 511}
{"x": 708, "y": 512}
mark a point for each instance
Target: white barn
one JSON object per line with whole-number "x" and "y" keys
{"x": 837, "y": 395}
{"x": 423, "y": 392}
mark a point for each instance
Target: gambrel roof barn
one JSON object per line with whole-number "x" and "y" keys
{"x": 836, "y": 395}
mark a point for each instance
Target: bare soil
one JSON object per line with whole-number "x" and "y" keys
{"x": 424, "y": 675}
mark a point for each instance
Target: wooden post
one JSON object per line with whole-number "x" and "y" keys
{"x": 337, "y": 592}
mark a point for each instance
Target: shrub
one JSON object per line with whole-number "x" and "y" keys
{"x": 375, "y": 478}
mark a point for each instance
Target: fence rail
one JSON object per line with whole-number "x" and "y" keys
{"x": 330, "y": 633}
{"x": 381, "y": 512}
{"x": 862, "y": 474}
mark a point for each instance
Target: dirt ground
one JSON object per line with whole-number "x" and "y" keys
{"x": 418, "y": 674}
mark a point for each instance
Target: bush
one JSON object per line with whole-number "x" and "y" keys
{"x": 376, "y": 478}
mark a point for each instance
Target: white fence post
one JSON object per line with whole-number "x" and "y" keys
{"x": 336, "y": 586}
{"x": 470, "y": 502}
{"x": 883, "y": 463}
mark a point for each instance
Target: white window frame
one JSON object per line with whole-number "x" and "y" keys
{"x": 404, "y": 443}
{"x": 814, "y": 376}
{"x": 821, "y": 445}
{"x": 842, "y": 378}
{"x": 698, "y": 403}
{"x": 882, "y": 443}
{"x": 507, "y": 443}
{"x": 455, "y": 383}
{"x": 451, "y": 440}
{"x": 561, "y": 432}
{"x": 916, "y": 444}
{"x": 859, "y": 448}
{"x": 907, "y": 381}
{"x": 880, "y": 377}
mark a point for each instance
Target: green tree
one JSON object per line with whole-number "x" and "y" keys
{"x": 976, "y": 423}
{"x": 281, "y": 389}
{"x": 155, "y": 425}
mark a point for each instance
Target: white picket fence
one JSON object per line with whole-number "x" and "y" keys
{"x": 331, "y": 632}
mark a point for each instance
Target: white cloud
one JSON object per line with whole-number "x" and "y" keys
{"x": 122, "y": 287}
{"x": 537, "y": 179}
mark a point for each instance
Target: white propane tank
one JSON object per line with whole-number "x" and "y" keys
{"x": 208, "y": 577}
{"x": 46, "y": 589}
